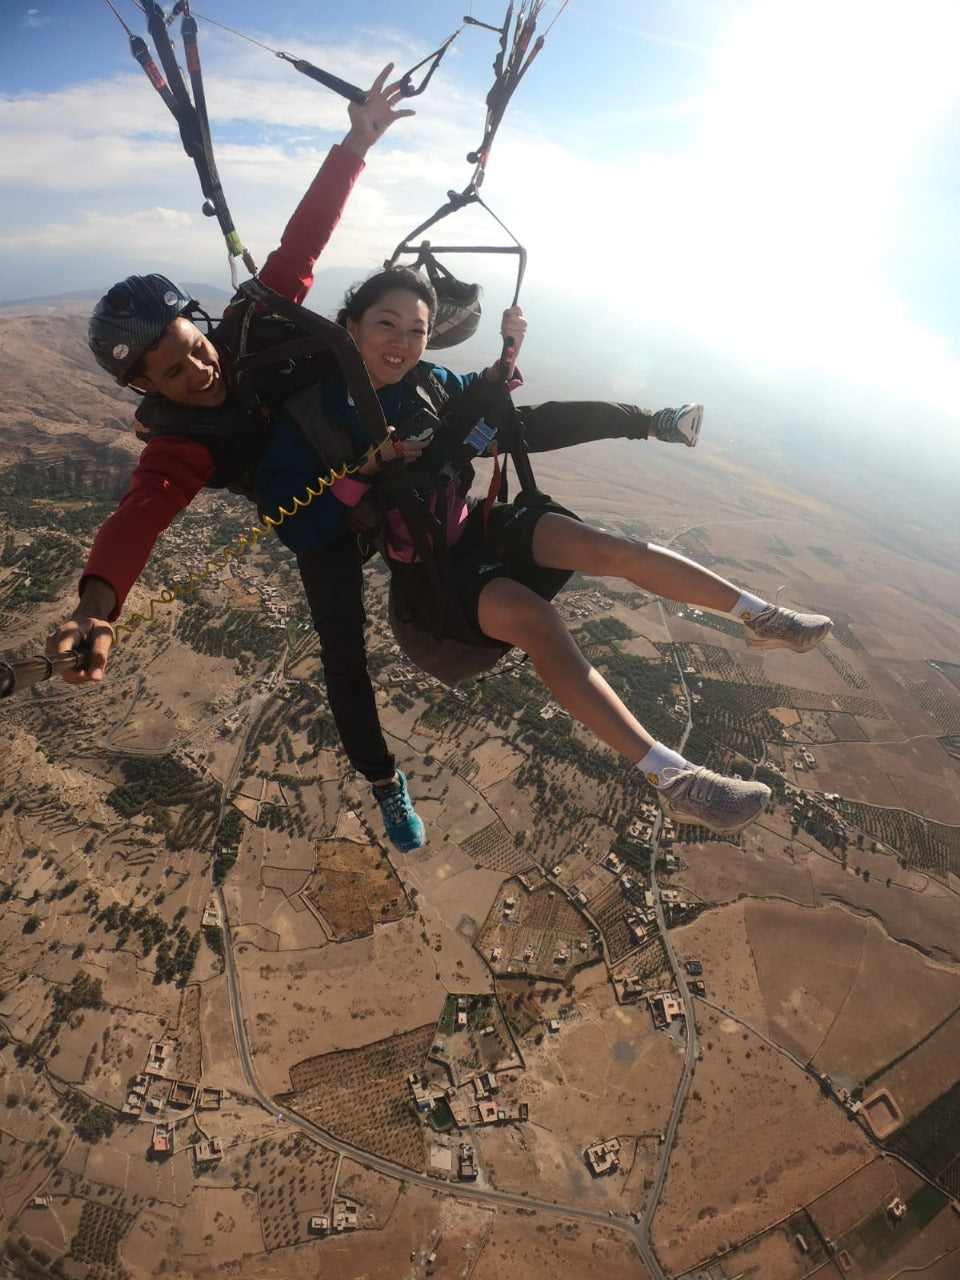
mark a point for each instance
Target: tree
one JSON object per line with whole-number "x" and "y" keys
{"x": 213, "y": 937}
{"x": 95, "y": 1124}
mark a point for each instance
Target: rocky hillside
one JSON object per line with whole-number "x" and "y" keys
{"x": 63, "y": 425}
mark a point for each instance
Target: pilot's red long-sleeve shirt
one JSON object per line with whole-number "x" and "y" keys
{"x": 172, "y": 470}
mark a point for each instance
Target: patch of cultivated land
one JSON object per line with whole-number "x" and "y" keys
{"x": 360, "y": 1095}
{"x": 856, "y": 1215}
{"x": 353, "y": 888}
{"x": 855, "y": 1199}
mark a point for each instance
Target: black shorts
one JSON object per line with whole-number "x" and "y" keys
{"x": 502, "y": 549}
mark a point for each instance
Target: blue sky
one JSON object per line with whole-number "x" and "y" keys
{"x": 771, "y": 181}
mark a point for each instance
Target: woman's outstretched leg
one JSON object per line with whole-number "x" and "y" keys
{"x": 562, "y": 543}
{"x": 512, "y": 613}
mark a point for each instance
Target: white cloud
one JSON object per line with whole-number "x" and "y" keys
{"x": 95, "y": 229}
{"x": 34, "y": 18}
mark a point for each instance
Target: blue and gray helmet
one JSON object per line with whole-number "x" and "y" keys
{"x": 129, "y": 319}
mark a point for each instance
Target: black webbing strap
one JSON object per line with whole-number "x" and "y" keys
{"x": 334, "y": 338}
{"x": 190, "y": 114}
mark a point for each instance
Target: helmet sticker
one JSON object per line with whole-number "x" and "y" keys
{"x": 120, "y": 351}
{"x": 171, "y": 298}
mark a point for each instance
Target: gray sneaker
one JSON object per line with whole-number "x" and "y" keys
{"x": 725, "y": 805}
{"x": 679, "y": 426}
{"x": 779, "y": 628}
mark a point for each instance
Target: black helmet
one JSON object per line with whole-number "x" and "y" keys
{"x": 129, "y": 319}
{"x": 458, "y": 313}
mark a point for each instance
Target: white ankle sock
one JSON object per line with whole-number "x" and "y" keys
{"x": 748, "y": 606}
{"x": 656, "y": 760}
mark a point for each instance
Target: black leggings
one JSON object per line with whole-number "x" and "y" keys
{"x": 558, "y": 424}
{"x": 333, "y": 581}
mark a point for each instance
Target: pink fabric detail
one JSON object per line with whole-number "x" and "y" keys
{"x": 400, "y": 543}
{"x": 349, "y": 490}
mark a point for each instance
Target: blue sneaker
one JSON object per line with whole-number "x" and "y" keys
{"x": 404, "y": 829}
{"x": 679, "y": 426}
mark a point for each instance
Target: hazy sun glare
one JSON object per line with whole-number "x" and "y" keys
{"x": 777, "y": 230}
{"x": 810, "y": 127}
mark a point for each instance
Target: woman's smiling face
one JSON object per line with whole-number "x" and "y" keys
{"x": 391, "y": 335}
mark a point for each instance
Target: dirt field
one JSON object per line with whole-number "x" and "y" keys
{"x": 493, "y": 1242}
{"x": 913, "y": 908}
{"x": 862, "y": 998}
{"x": 927, "y": 1073}
{"x": 777, "y": 1252}
{"x": 826, "y": 984}
{"x": 354, "y": 888}
{"x": 798, "y": 1143}
{"x": 606, "y": 1073}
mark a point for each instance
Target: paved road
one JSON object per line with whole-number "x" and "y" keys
{"x": 692, "y": 1050}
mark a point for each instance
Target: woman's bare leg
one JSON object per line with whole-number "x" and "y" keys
{"x": 562, "y": 543}
{"x": 511, "y": 612}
